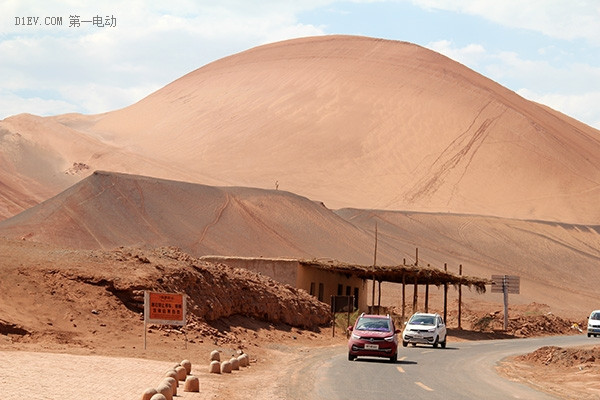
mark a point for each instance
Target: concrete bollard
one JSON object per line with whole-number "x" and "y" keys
{"x": 244, "y": 360}
{"x": 148, "y": 393}
{"x": 158, "y": 396}
{"x": 174, "y": 384}
{"x": 226, "y": 367}
{"x": 235, "y": 364}
{"x": 171, "y": 374}
{"x": 187, "y": 365}
{"x": 165, "y": 389}
{"x": 192, "y": 384}
{"x": 215, "y": 356}
{"x": 181, "y": 373}
{"x": 215, "y": 367}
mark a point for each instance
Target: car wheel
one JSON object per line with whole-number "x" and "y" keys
{"x": 394, "y": 358}
{"x": 351, "y": 357}
{"x": 413, "y": 344}
{"x": 404, "y": 344}
{"x": 589, "y": 335}
{"x": 435, "y": 342}
{"x": 443, "y": 344}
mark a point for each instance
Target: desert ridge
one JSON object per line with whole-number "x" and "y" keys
{"x": 107, "y": 211}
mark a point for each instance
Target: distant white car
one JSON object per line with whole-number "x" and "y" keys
{"x": 425, "y": 329}
{"x": 593, "y": 327}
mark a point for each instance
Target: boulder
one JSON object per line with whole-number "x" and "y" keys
{"x": 235, "y": 364}
{"x": 215, "y": 355}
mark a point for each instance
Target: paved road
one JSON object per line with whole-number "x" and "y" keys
{"x": 464, "y": 370}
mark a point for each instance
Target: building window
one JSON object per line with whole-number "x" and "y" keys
{"x": 321, "y": 291}
{"x": 355, "y": 298}
{"x": 340, "y": 289}
{"x": 348, "y": 291}
{"x": 312, "y": 288}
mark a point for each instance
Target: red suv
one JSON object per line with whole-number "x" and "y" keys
{"x": 373, "y": 336}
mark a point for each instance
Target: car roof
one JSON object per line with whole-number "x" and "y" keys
{"x": 375, "y": 316}
{"x": 427, "y": 314}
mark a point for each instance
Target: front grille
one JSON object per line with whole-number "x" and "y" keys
{"x": 372, "y": 340}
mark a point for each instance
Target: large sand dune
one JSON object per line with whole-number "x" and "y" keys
{"x": 350, "y": 121}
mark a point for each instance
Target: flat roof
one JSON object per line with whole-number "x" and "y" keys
{"x": 391, "y": 273}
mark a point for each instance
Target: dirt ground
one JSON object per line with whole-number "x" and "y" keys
{"x": 60, "y": 302}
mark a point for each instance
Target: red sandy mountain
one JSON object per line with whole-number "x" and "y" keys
{"x": 108, "y": 210}
{"x": 350, "y": 121}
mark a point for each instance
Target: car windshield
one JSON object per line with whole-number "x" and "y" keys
{"x": 422, "y": 320}
{"x": 595, "y": 316}
{"x": 373, "y": 324}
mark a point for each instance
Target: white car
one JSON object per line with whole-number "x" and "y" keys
{"x": 425, "y": 329}
{"x": 593, "y": 327}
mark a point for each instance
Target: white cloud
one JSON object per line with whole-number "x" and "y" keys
{"x": 569, "y": 88}
{"x": 563, "y": 19}
{"x": 470, "y": 55}
{"x": 93, "y": 69}
{"x": 578, "y": 106}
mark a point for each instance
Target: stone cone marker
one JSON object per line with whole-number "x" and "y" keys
{"x": 192, "y": 384}
{"x": 187, "y": 365}
{"x": 215, "y": 367}
{"x": 148, "y": 393}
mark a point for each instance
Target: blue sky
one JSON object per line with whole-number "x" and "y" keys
{"x": 545, "y": 50}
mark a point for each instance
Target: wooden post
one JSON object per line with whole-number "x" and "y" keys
{"x": 445, "y": 297}
{"x": 459, "y": 297}
{"x": 403, "y": 296}
{"x": 427, "y": 297}
{"x": 379, "y": 298}
{"x": 374, "y": 264}
{"x": 415, "y": 295}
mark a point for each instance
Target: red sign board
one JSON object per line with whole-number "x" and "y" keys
{"x": 164, "y": 308}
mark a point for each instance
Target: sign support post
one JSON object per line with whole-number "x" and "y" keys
{"x": 506, "y": 284}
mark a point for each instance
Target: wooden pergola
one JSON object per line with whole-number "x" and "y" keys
{"x": 406, "y": 274}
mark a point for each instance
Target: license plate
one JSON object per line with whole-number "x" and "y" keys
{"x": 371, "y": 346}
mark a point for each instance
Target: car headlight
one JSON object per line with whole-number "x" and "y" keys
{"x": 431, "y": 330}
{"x": 355, "y": 336}
{"x": 389, "y": 339}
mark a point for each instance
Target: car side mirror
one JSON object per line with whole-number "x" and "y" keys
{"x": 397, "y": 331}
{"x": 405, "y": 322}
{"x": 350, "y": 328}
